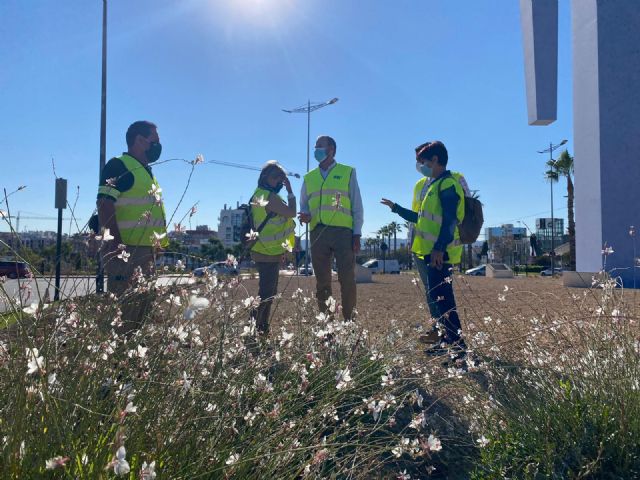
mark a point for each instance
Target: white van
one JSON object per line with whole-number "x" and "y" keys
{"x": 382, "y": 266}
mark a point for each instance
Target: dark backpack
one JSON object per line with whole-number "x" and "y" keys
{"x": 471, "y": 224}
{"x": 246, "y": 225}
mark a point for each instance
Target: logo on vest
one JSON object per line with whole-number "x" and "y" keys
{"x": 337, "y": 177}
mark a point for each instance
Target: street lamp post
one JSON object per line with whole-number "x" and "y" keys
{"x": 551, "y": 164}
{"x": 308, "y": 108}
{"x": 103, "y": 132}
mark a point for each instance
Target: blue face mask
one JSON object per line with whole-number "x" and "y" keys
{"x": 423, "y": 169}
{"x": 320, "y": 154}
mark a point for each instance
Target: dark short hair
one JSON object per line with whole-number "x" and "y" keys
{"x": 331, "y": 141}
{"x": 141, "y": 127}
{"x": 421, "y": 146}
{"x": 434, "y": 148}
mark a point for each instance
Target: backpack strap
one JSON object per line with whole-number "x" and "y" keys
{"x": 263, "y": 224}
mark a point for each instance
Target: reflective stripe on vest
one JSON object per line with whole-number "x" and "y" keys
{"x": 140, "y": 218}
{"x": 329, "y": 199}
{"x": 429, "y": 223}
{"x": 275, "y": 232}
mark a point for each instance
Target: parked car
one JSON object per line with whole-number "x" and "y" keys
{"x": 547, "y": 272}
{"x": 479, "y": 271}
{"x": 305, "y": 271}
{"x": 13, "y": 269}
{"x": 382, "y": 266}
{"x": 218, "y": 268}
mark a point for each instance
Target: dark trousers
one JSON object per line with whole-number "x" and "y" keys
{"x": 422, "y": 267}
{"x": 267, "y": 289}
{"x": 441, "y": 299}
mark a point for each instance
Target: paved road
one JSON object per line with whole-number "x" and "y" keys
{"x": 31, "y": 291}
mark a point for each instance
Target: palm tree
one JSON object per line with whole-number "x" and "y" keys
{"x": 394, "y": 228}
{"x": 564, "y": 166}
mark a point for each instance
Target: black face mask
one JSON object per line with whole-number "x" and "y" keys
{"x": 153, "y": 152}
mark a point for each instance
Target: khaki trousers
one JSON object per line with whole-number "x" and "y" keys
{"x": 134, "y": 306}
{"x": 327, "y": 243}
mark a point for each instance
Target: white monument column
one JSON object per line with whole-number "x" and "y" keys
{"x": 606, "y": 103}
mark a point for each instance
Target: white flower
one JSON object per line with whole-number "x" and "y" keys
{"x": 180, "y": 265}
{"x": 157, "y": 237}
{"x": 130, "y": 408}
{"x": 285, "y": 337}
{"x": 252, "y": 235}
{"x": 156, "y": 192}
{"x": 186, "y": 383}
{"x": 35, "y": 362}
{"x": 196, "y": 304}
{"x": 259, "y": 201}
{"x": 251, "y": 302}
{"x": 52, "y": 378}
{"x": 482, "y": 441}
{"x": 56, "y": 462}
{"x": 199, "y": 159}
{"x": 331, "y": 304}
{"x": 174, "y": 300}
{"x": 287, "y": 246}
{"x": 387, "y": 380}
{"x": 403, "y": 475}
{"x": 106, "y": 235}
{"x": 343, "y": 377}
{"x": 148, "y": 472}
{"x": 124, "y": 256}
{"x": 233, "y": 458}
{"x": 120, "y": 464}
{"x": 433, "y": 443}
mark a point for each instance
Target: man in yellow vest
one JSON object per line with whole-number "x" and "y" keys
{"x": 419, "y": 192}
{"x": 436, "y": 242}
{"x": 331, "y": 204}
{"x": 130, "y": 208}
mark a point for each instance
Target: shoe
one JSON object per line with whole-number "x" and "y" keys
{"x": 436, "y": 351}
{"x": 430, "y": 338}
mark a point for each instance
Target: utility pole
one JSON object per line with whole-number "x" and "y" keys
{"x": 551, "y": 175}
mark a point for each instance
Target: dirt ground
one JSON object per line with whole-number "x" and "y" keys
{"x": 394, "y": 302}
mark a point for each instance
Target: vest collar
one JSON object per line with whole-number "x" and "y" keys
{"x": 331, "y": 165}
{"x": 147, "y": 167}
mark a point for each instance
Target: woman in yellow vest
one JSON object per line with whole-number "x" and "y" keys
{"x": 275, "y": 238}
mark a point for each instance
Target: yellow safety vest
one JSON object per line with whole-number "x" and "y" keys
{"x": 138, "y": 215}
{"x": 429, "y": 223}
{"x": 420, "y": 190}
{"x": 276, "y": 231}
{"x": 329, "y": 201}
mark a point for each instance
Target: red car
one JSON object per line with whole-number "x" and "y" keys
{"x": 14, "y": 269}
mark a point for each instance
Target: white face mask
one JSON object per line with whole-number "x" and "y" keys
{"x": 423, "y": 169}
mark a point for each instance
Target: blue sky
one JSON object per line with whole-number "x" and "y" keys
{"x": 215, "y": 74}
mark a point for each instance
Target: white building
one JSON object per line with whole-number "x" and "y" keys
{"x": 229, "y": 223}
